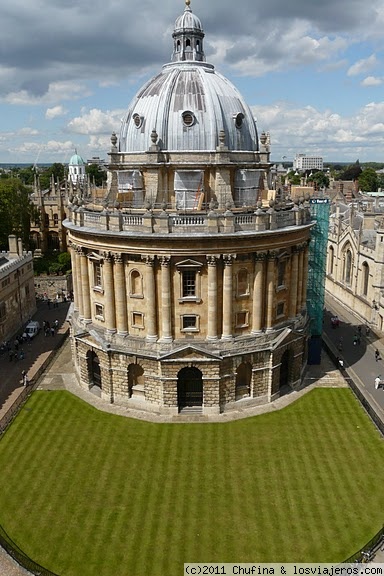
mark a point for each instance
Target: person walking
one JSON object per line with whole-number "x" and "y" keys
{"x": 377, "y": 382}
{"x": 377, "y": 355}
{"x": 25, "y": 378}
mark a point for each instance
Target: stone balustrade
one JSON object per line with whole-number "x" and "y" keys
{"x": 168, "y": 222}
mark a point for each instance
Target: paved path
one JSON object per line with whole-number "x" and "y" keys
{"x": 359, "y": 359}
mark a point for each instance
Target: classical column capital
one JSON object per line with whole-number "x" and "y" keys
{"x": 106, "y": 256}
{"x": 118, "y": 257}
{"x": 272, "y": 255}
{"x": 260, "y": 256}
{"x": 165, "y": 260}
{"x": 229, "y": 259}
{"x": 149, "y": 259}
{"x": 212, "y": 260}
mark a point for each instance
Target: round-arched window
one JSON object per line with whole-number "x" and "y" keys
{"x": 138, "y": 120}
{"x": 188, "y": 118}
{"x": 239, "y": 118}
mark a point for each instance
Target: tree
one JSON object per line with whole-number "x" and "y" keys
{"x": 96, "y": 173}
{"x": 320, "y": 179}
{"x": 58, "y": 172}
{"x": 352, "y": 172}
{"x": 294, "y": 178}
{"x": 368, "y": 181}
{"x": 16, "y": 211}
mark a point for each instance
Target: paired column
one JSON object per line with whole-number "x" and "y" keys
{"x": 258, "y": 293}
{"x": 120, "y": 295}
{"x": 270, "y": 289}
{"x": 227, "y": 297}
{"x": 305, "y": 277}
{"x": 151, "y": 300}
{"x": 78, "y": 286}
{"x": 109, "y": 294}
{"x": 300, "y": 282}
{"x": 75, "y": 276}
{"x": 85, "y": 286}
{"x": 212, "y": 298}
{"x": 166, "y": 322}
{"x": 294, "y": 283}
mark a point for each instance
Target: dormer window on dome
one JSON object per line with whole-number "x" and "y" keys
{"x": 239, "y": 119}
{"x": 138, "y": 120}
{"x": 188, "y": 118}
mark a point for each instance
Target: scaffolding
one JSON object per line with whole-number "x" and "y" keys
{"x": 319, "y": 208}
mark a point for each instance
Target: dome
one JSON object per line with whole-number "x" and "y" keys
{"x": 76, "y": 160}
{"x": 188, "y": 105}
{"x": 187, "y": 21}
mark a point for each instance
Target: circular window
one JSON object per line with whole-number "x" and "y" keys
{"x": 239, "y": 118}
{"x": 138, "y": 120}
{"x": 188, "y": 118}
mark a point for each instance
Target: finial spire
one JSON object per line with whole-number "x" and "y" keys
{"x": 187, "y": 3}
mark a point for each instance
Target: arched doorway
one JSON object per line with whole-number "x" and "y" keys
{"x": 94, "y": 372}
{"x": 135, "y": 381}
{"x": 285, "y": 367}
{"x": 243, "y": 380}
{"x": 189, "y": 389}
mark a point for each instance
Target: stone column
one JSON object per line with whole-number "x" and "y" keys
{"x": 293, "y": 283}
{"x": 85, "y": 286}
{"x": 166, "y": 324}
{"x": 120, "y": 295}
{"x": 150, "y": 298}
{"x": 227, "y": 297}
{"x": 258, "y": 293}
{"x": 78, "y": 283}
{"x": 75, "y": 276}
{"x": 270, "y": 289}
{"x": 300, "y": 281}
{"x": 212, "y": 298}
{"x": 305, "y": 277}
{"x": 109, "y": 294}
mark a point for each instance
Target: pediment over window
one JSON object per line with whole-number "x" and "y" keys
{"x": 189, "y": 354}
{"x": 95, "y": 257}
{"x": 189, "y": 264}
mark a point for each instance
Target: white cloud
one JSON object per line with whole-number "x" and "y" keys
{"x": 371, "y": 81}
{"x": 362, "y": 66}
{"x": 57, "y": 92}
{"x": 95, "y": 122}
{"x": 55, "y": 112}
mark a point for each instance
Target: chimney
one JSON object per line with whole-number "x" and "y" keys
{"x": 12, "y": 242}
{"x": 20, "y": 246}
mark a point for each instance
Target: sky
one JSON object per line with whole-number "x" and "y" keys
{"x": 312, "y": 72}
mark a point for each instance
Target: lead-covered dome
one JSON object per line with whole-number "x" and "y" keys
{"x": 188, "y": 105}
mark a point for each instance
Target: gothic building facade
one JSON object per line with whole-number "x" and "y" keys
{"x": 190, "y": 291}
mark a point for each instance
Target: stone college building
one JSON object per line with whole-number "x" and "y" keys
{"x": 190, "y": 287}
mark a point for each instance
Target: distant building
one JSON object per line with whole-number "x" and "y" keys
{"x": 355, "y": 268}
{"x": 76, "y": 170}
{"x": 17, "y": 292}
{"x": 303, "y": 162}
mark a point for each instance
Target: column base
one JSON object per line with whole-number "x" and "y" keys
{"x": 227, "y": 338}
{"x": 212, "y": 338}
{"x": 165, "y": 340}
{"x": 152, "y": 338}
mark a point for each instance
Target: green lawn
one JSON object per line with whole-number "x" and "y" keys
{"x": 84, "y": 492}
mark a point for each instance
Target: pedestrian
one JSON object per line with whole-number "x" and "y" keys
{"x": 21, "y": 355}
{"x": 56, "y": 323}
{"x": 355, "y": 340}
{"x": 377, "y": 382}
{"x": 52, "y": 331}
{"x": 377, "y": 355}
{"x": 25, "y": 378}
{"x": 367, "y": 330}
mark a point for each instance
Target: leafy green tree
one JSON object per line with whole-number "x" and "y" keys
{"x": 294, "y": 178}
{"x": 320, "y": 179}
{"x": 16, "y": 211}
{"x": 351, "y": 173}
{"x": 96, "y": 173}
{"x": 368, "y": 181}
{"x": 58, "y": 172}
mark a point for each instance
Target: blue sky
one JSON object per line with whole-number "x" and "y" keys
{"x": 312, "y": 72}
